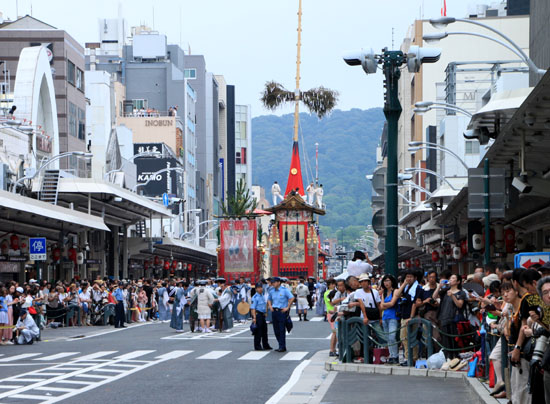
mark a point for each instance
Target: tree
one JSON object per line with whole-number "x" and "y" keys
{"x": 242, "y": 204}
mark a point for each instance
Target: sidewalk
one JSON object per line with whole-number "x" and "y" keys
{"x": 324, "y": 381}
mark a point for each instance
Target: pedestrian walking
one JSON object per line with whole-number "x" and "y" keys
{"x": 119, "y": 306}
{"x": 302, "y": 294}
{"x": 280, "y": 300}
{"x": 258, "y": 308}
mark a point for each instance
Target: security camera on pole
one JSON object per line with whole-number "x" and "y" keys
{"x": 391, "y": 61}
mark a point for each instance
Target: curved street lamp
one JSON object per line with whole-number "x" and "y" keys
{"x": 47, "y": 163}
{"x": 415, "y": 146}
{"x": 417, "y": 187}
{"x": 131, "y": 159}
{"x": 442, "y": 22}
{"x": 426, "y": 105}
{"x": 441, "y": 177}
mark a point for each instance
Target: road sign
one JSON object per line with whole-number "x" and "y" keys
{"x": 525, "y": 260}
{"x": 165, "y": 199}
{"x": 37, "y": 248}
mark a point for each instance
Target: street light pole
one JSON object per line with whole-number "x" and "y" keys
{"x": 392, "y": 60}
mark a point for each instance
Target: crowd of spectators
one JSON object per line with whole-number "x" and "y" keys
{"x": 506, "y": 307}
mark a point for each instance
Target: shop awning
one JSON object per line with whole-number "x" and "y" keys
{"x": 28, "y": 216}
{"x": 117, "y": 205}
{"x": 180, "y": 250}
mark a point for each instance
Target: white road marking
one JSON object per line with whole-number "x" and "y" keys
{"x": 24, "y": 379}
{"x": 173, "y": 355}
{"x": 19, "y": 357}
{"x": 56, "y": 356}
{"x": 285, "y": 388}
{"x": 95, "y": 355}
{"x": 109, "y": 332}
{"x": 254, "y": 355}
{"x": 30, "y": 397}
{"x": 294, "y": 356}
{"x": 317, "y": 319}
{"x": 72, "y": 382}
{"x": 214, "y": 355}
{"x": 134, "y": 354}
{"x": 295, "y": 318}
{"x": 109, "y": 370}
{"x": 58, "y": 389}
{"x": 8, "y": 386}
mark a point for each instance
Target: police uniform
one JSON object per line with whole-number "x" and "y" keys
{"x": 259, "y": 304}
{"x": 279, "y": 299}
{"x": 119, "y": 307}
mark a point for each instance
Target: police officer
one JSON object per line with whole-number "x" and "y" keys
{"x": 279, "y": 301}
{"x": 258, "y": 308}
{"x": 119, "y": 306}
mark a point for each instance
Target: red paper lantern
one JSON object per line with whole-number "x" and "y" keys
{"x": 14, "y": 242}
{"x": 166, "y": 264}
{"x": 189, "y": 267}
{"x": 72, "y": 254}
{"x": 435, "y": 256}
{"x": 408, "y": 263}
{"x": 157, "y": 260}
{"x": 174, "y": 264}
{"x": 56, "y": 254}
{"x": 417, "y": 263}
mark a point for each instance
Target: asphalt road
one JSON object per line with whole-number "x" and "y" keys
{"x": 151, "y": 363}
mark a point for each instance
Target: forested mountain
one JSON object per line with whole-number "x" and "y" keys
{"x": 347, "y": 152}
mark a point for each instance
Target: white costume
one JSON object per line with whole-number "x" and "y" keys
{"x": 276, "y": 192}
{"x": 205, "y": 299}
{"x": 29, "y": 332}
{"x": 310, "y": 193}
{"x": 302, "y": 292}
{"x": 319, "y": 196}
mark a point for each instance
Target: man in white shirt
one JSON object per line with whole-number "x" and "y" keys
{"x": 302, "y": 292}
{"x": 357, "y": 266}
{"x": 25, "y": 329}
{"x": 369, "y": 296}
{"x": 276, "y": 193}
{"x": 319, "y": 196}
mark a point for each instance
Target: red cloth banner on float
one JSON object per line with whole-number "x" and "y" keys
{"x": 238, "y": 252}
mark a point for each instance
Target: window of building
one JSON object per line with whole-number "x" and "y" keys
{"x": 81, "y": 124}
{"x": 243, "y": 155}
{"x": 190, "y": 73}
{"x": 71, "y": 72}
{"x": 73, "y": 120}
{"x": 243, "y": 129}
{"x": 472, "y": 147}
{"x": 139, "y": 104}
{"x": 80, "y": 79}
{"x": 238, "y": 158}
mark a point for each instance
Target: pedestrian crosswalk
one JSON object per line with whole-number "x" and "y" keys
{"x": 73, "y": 361}
{"x": 72, "y": 373}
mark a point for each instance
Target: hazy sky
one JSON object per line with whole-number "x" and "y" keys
{"x": 253, "y": 41}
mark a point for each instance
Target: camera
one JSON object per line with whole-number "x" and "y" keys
{"x": 541, "y": 345}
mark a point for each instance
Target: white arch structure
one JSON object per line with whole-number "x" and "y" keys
{"x": 34, "y": 96}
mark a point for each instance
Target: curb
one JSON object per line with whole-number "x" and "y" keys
{"x": 313, "y": 383}
{"x": 476, "y": 386}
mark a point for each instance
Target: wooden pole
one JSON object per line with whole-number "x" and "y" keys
{"x": 298, "y": 62}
